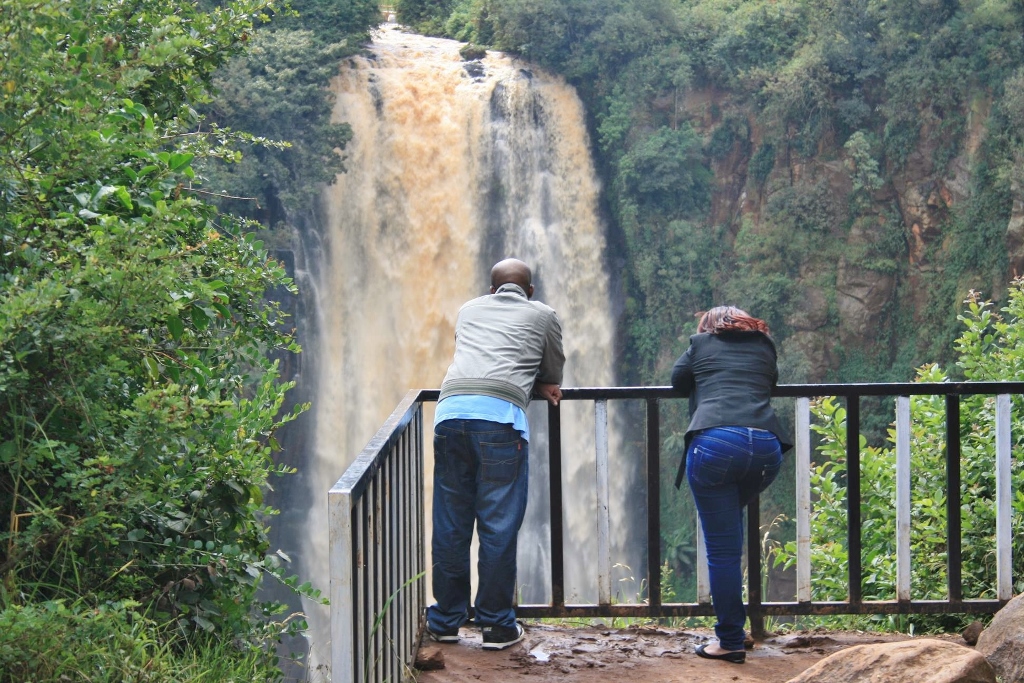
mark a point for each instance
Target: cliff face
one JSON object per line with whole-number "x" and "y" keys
{"x": 889, "y": 237}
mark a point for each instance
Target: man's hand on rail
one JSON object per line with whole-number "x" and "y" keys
{"x": 549, "y": 392}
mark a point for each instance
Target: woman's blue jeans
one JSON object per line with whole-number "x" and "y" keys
{"x": 726, "y": 467}
{"x": 481, "y": 470}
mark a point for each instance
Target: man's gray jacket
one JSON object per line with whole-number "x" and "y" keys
{"x": 503, "y": 344}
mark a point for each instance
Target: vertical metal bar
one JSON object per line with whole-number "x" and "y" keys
{"x": 397, "y": 556}
{"x": 420, "y": 514}
{"x": 366, "y": 574}
{"x": 803, "y": 499}
{"x": 654, "y": 503}
{"x": 1004, "y": 497}
{"x": 407, "y": 631}
{"x": 342, "y": 551}
{"x": 376, "y": 570}
{"x": 384, "y": 571}
{"x": 555, "y": 484}
{"x": 903, "y": 498}
{"x": 415, "y": 546}
{"x": 404, "y": 534}
{"x": 392, "y": 655}
{"x": 703, "y": 577}
{"x": 754, "y": 568}
{"x": 954, "y": 558}
{"x": 853, "y": 495}
{"x": 604, "y": 560}
{"x": 363, "y": 593}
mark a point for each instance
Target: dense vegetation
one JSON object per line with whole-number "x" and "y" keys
{"x": 137, "y": 403}
{"x": 277, "y": 89}
{"x": 991, "y": 347}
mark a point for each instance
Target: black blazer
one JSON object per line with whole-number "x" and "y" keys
{"x": 729, "y": 378}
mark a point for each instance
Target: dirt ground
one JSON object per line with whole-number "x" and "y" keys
{"x": 551, "y": 654}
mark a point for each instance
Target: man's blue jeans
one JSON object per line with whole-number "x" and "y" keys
{"x": 726, "y": 467}
{"x": 481, "y": 470}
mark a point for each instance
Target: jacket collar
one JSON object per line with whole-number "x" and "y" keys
{"x": 511, "y": 288}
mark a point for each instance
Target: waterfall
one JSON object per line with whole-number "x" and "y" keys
{"x": 453, "y": 166}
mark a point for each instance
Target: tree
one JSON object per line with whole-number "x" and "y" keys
{"x": 279, "y": 88}
{"x": 137, "y": 404}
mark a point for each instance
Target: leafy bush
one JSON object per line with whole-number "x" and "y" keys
{"x": 991, "y": 347}
{"x": 424, "y": 16}
{"x": 666, "y": 170}
{"x": 137, "y": 404}
{"x": 54, "y": 642}
{"x": 762, "y": 163}
{"x": 277, "y": 89}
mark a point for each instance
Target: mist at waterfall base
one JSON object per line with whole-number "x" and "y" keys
{"x": 453, "y": 166}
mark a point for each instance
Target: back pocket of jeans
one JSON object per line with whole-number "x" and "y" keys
{"x": 499, "y": 462}
{"x": 710, "y": 468}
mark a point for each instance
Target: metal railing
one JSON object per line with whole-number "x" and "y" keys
{"x": 375, "y": 518}
{"x": 377, "y": 544}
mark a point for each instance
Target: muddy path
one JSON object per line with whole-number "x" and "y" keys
{"x": 551, "y": 654}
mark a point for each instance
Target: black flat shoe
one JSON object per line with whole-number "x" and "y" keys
{"x": 734, "y": 656}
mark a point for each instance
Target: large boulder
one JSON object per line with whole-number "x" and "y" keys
{"x": 1002, "y": 643}
{"x": 923, "y": 660}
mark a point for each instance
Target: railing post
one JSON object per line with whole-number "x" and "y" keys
{"x": 903, "y": 498}
{"x": 654, "y": 504}
{"x": 555, "y": 484}
{"x": 604, "y": 561}
{"x": 853, "y": 496}
{"x": 954, "y": 557}
{"x": 1004, "y": 497}
{"x": 343, "y": 620}
{"x": 802, "y": 466}
{"x": 376, "y": 552}
{"x": 703, "y": 577}
{"x": 754, "y": 568}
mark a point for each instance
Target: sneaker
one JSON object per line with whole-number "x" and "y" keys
{"x": 500, "y": 637}
{"x": 447, "y": 636}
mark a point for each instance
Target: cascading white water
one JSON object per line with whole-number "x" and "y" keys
{"x": 453, "y": 165}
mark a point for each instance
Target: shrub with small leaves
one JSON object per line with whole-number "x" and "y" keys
{"x": 137, "y": 402}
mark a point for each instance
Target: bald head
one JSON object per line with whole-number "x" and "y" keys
{"x": 512, "y": 271}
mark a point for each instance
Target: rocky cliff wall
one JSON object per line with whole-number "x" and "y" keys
{"x": 869, "y": 280}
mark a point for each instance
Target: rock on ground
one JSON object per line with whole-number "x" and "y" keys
{"x": 923, "y": 660}
{"x": 1002, "y": 643}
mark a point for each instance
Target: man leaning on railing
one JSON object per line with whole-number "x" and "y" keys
{"x": 507, "y": 348}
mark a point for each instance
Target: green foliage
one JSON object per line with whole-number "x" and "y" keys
{"x": 802, "y": 224}
{"x": 331, "y": 22}
{"x": 55, "y": 642}
{"x": 673, "y": 271}
{"x": 277, "y": 89}
{"x": 733, "y": 132}
{"x": 584, "y": 39}
{"x": 471, "y": 51}
{"x": 991, "y": 347}
{"x": 762, "y": 163}
{"x": 863, "y": 167}
{"x": 665, "y": 171}
{"x": 470, "y": 22}
{"x": 424, "y": 16}
{"x": 137, "y": 404}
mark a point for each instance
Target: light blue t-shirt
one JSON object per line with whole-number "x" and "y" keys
{"x": 476, "y": 407}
